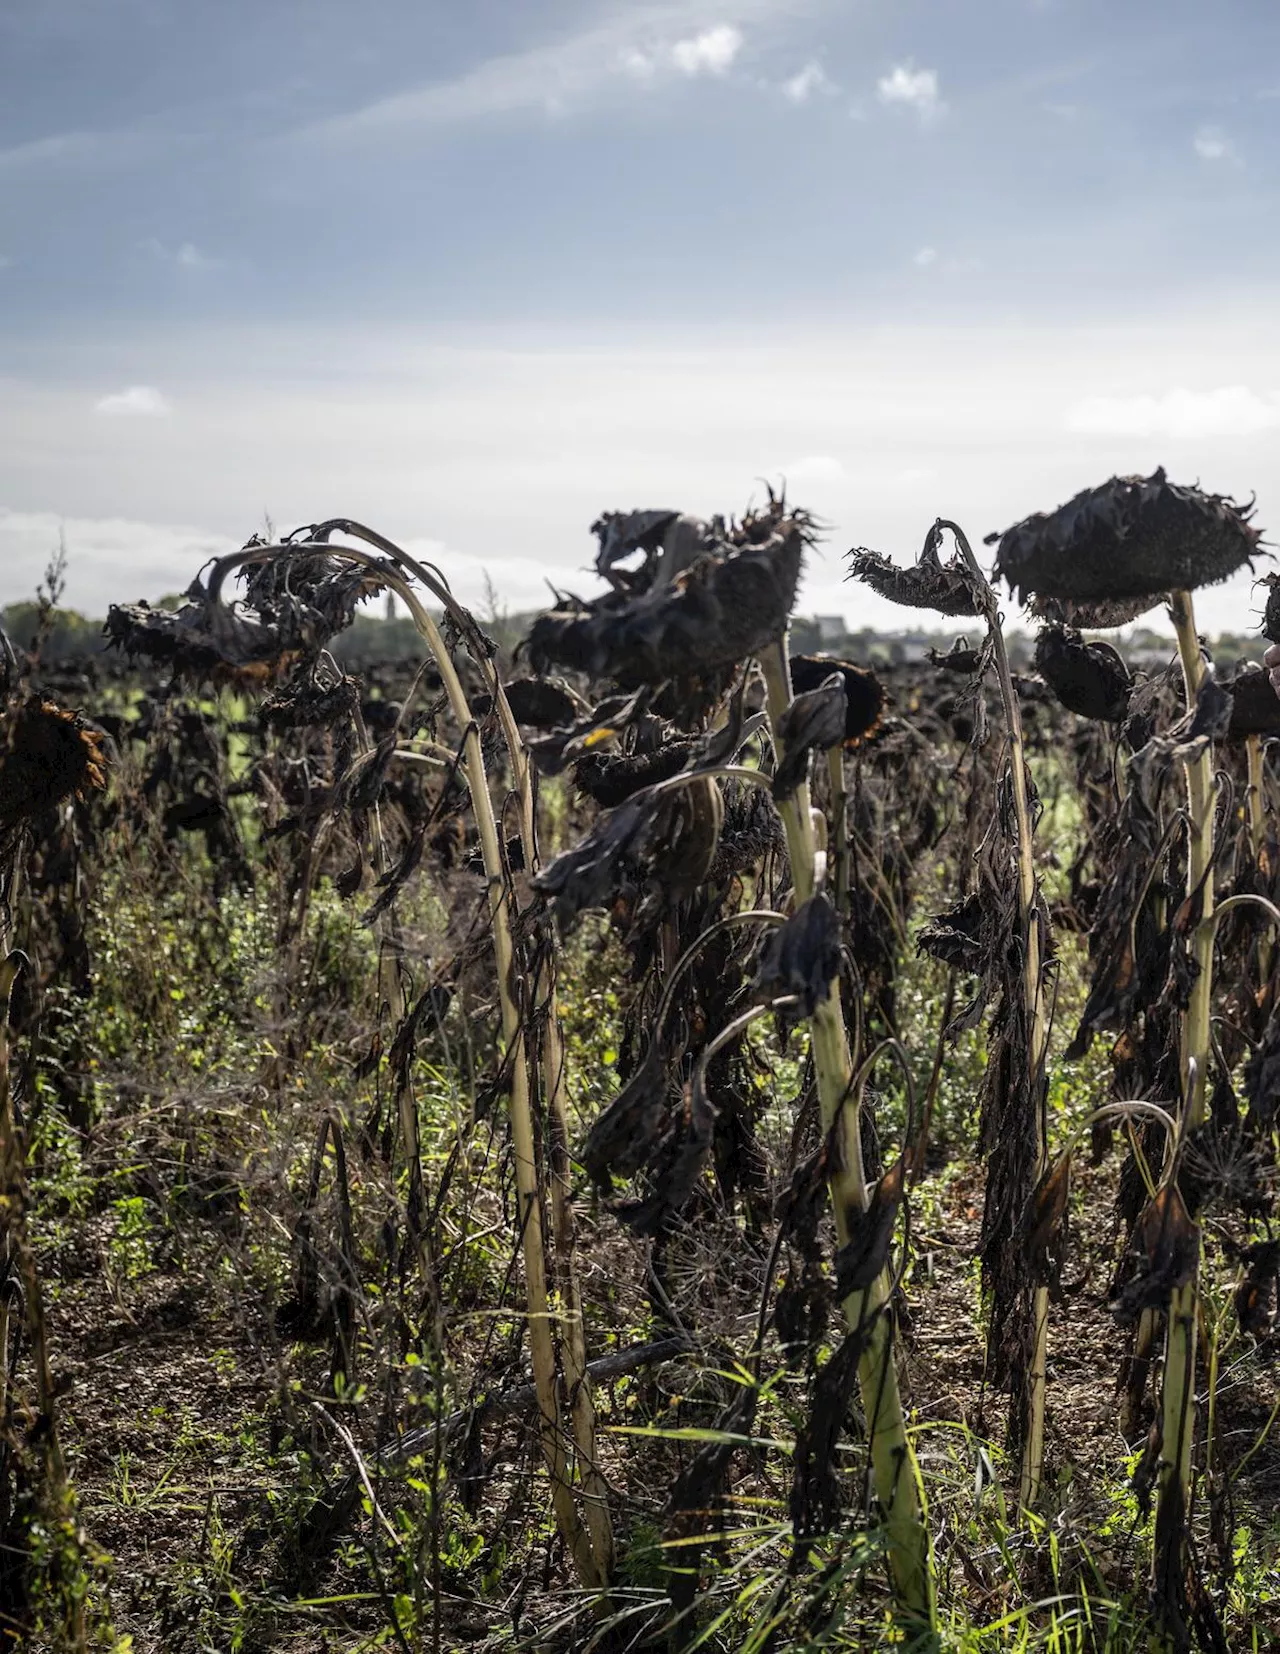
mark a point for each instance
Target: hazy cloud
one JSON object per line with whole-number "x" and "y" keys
{"x": 1231, "y": 410}
{"x": 912, "y": 89}
{"x": 802, "y": 85}
{"x": 925, "y": 257}
{"x": 137, "y": 401}
{"x": 710, "y": 53}
{"x": 1211, "y": 143}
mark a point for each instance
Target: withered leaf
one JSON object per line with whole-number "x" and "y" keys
{"x": 677, "y": 1179}
{"x": 864, "y": 693}
{"x": 958, "y": 936}
{"x": 627, "y": 1133}
{"x": 801, "y": 956}
{"x": 813, "y": 720}
{"x": 863, "y": 1257}
{"x": 1166, "y": 1252}
{"x": 815, "y": 1490}
{"x": 1044, "y": 1222}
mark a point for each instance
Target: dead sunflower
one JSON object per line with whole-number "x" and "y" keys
{"x": 1112, "y": 552}
{"x": 51, "y": 754}
{"x": 1090, "y": 679}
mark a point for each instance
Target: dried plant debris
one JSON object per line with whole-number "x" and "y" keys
{"x": 539, "y": 703}
{"x": 1255, "y": 705}
{"x": 592, "y": 730}
{"x": 948, "y": 587}
{"x": 961, "y": 935}
{"x": 311, "y": 699}
{"x": 677, "y": 1163}
{"x": 1271, "y": 614}
{"x": 668, "y": 541}
{"x": 625, "y": 1135}
{"x": 729, "y": 604}
{"x": 864, "y": 1256}
{"x": 1090, "y": 679}
{"x": 864, "y": 693}
{"x": 295, "y": 601}
{"x": 813, "y": 721}
{"x": 961, "y": 658}
{"x": 47, "y": 754}
{"x": 1164, "y": 1255}
{"x": 1044, "y": 1223}
{"x": 800, "y": 957}
{"x": 815, "y": 1490}
{"x": 665, "y": 838}
{"x": 1133, "y": 538}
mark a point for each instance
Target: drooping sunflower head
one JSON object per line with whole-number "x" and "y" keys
{"x": 1112, "y": 552}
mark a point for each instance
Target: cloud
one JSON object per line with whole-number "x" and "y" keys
{"x": 710, "y": 53}
{"x": 925, "y": 257}
{"x": 68, "y": 149}
{"x": 664, "y": 39}
{"x": 801, "y": 87}
{"x": 912, "y": 89}
{"x": 6, "y": 263}
{"x": 1211, "y": 143}
{"x": 815, "y": 468}
{"x": 186, "y": 256}
{"x": 1229, "y": 411}
{"x": 109, "y": 559}
{"x": 137, "y": 401}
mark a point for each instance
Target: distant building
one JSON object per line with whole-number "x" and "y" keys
{"x": 830, "y": 627}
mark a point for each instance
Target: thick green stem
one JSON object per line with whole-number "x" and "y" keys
{"x": 894, "y": 1469}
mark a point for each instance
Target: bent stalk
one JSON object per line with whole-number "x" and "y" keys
{"x": 895, "y": 1472}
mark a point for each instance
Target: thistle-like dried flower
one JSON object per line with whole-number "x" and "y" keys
{"x": 1089, "y": 679}
{"x": 48, "y": 754}
{"x": 1126, "y": 545}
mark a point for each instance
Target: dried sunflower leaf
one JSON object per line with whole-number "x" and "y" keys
{"x": 800, "y": 957}
{"x": 864, "y": 693}
{"x": 1166, "y": 1251}
{"x": 863, "y": 1257}
{"x": 813, "y": 720}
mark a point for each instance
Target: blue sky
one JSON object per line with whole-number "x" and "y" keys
{"x": 475, "y": 272}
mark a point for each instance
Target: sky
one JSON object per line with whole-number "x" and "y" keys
{"x": 475, "y": 273}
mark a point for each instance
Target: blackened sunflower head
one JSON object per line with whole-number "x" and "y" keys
{"x": 1112, "y": 552}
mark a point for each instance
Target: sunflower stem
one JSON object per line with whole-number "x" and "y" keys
{"x": 896, "y": 1474}
{"x": 1037, "y": 1015}
{"x": 1178, "y": 1400}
